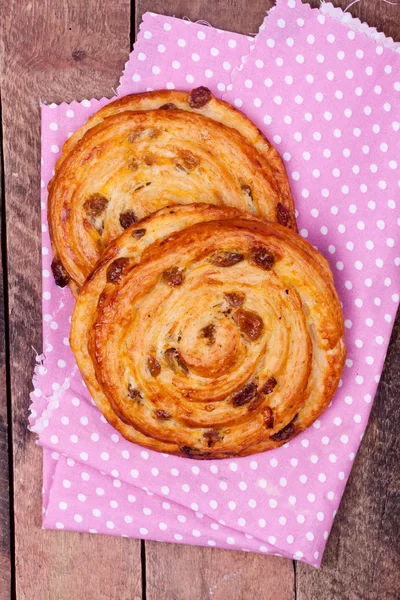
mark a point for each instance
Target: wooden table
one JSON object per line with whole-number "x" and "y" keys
{"x": 58, "y": 50}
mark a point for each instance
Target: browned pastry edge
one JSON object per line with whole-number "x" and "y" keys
{"x": 207, "y": 105}
{"x": 98, "y": 296}
{"x": 70, "y": 182}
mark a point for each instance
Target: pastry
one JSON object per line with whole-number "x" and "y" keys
{"x": 199, "y": 100}
{"x": 208, "y": 333}
{"x": 122, "y": 166}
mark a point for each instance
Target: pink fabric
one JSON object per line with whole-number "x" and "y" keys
{"x": 326, "y": 96}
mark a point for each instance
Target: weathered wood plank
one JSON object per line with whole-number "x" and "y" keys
{"x": 232, "y": 15}
{"x": 54, "y": 51}
{"x": 364, "y": 547}
{"x": 177, "y": 572}
{"x": 5, "y": 518}
{"x": 181, "y": 572}
{"x": 362, "y": 556}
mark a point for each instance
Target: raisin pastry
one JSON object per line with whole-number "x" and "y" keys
{"x": 130, "y": 163}
{"x": 208, "y": 333}
{"x": 199, "y": 100}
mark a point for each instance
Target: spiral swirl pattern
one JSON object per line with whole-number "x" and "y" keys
{"x": 147, "y": 151}
{"x": 208, "y": 333}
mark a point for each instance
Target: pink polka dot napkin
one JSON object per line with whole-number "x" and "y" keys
{"x": 325, "y": 89}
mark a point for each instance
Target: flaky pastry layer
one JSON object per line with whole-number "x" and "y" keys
{"x": 145, "y": 151}
{"x": 206, "y": 332}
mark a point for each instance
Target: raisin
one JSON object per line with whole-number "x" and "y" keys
{"x": 269, "y": 386}
{"x": 245, "y": 395}
{"x": 199, "y": 97}
{"x": 153, "y": 366}
{"x": 138, "y": 233}
{"x": 134, "y": 393}
{"x": 268, "y": 417}
{"x": 250, "y": 323}
{"x": 208, "y": 332}
{"x": 162, "y": 414}
{"x": 193, "y": 452}
{"x": 234, "y": 299}
{"x": 227, "y": 259}
{"x": 284, "y": 434}
{"x": 168, "y": 106}
{"x": 282, "y": 214}
{"x": 255, "y": 403}
{"x": 174, "y": 276}
{"x": 262, "y": 257}
{"x": 60, "y": 275}
{"x": 95, "y": 205}
{"x": 127, "y": 218}
{"x": 116, "y": 269}
{"x": 212, "y": 436}
{"x": 175, "y": 361}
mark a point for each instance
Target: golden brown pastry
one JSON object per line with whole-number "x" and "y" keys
{"x": 125, "y": 164}
{"x": 199, "y": 100}
{"x": 208, "y": 333}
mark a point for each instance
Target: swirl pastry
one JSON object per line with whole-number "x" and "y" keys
{"x": 146, "y": 151}
{"x": 206, "y": 332}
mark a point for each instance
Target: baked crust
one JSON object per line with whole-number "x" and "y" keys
{"x": 132, "y": 158}
{"x": 206, "y": 332}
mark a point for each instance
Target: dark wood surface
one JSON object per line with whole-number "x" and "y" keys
{"x": 57, "y": 50}
{"x": 5, "y": 533}
{"x": 39, "y": 41}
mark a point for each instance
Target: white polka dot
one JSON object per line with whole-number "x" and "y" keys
{"x": 290, "y": 539}
{"x": 196, "y": 533}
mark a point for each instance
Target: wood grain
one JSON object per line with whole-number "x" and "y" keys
{"x": 67, "y": 49}
{"x": 5, "y": 517}
{"x": 210, "y": 573}
{"x": 233, "y": 15}
{"x": 51, "y": 51}
{"x": 367, "y": 518}
{"x": 177, "y": 572}
{"x": 362, "y": 557}
{"x": 364, "y": 546}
